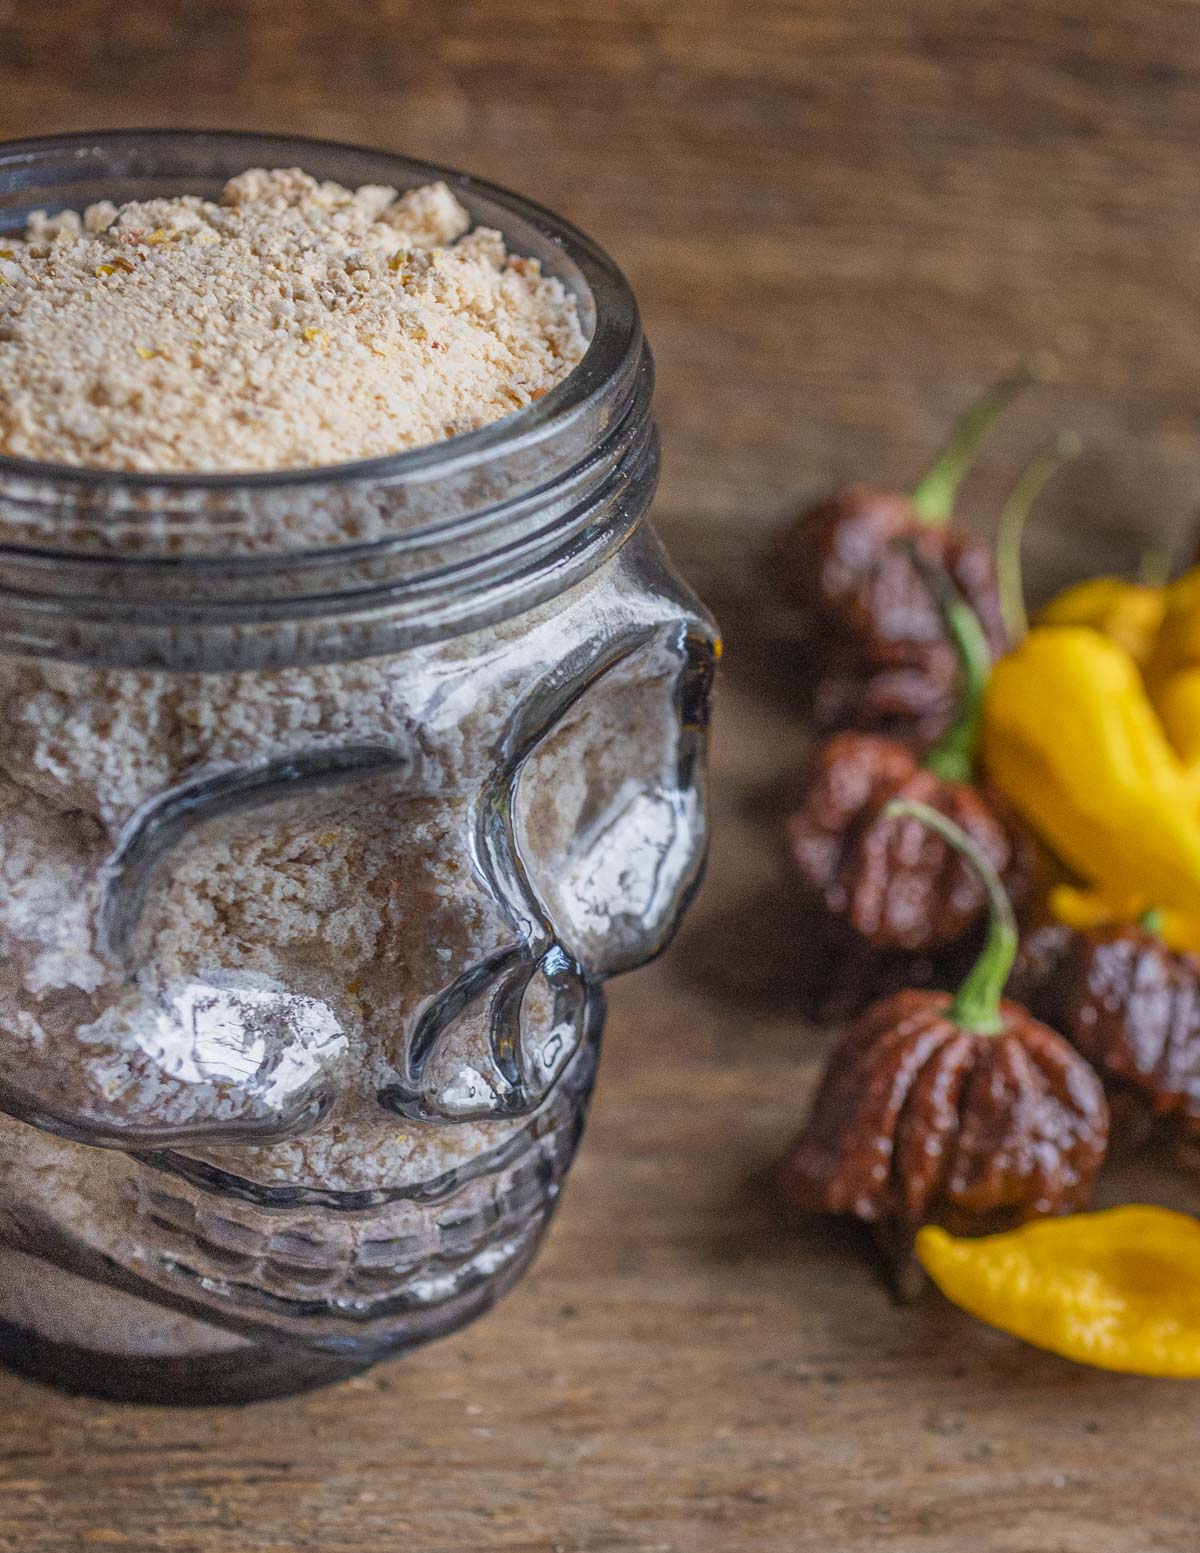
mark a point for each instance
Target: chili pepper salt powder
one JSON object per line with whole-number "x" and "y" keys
{"x": 293, "y": 323}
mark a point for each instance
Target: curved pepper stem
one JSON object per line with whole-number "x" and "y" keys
{"x": 935, "y": 493}
{"x": 1010, "y": 583}
{"x": 976, "y": 1005}
{"x": 1154, "y": 566}
{"x": 953, "y": 756}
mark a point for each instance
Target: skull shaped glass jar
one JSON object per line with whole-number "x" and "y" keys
{"x": 328, "y": 801}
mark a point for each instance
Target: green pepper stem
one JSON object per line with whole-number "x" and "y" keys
{"x": 1010, "y": 530}
{"x": 1154, "y": 566}
{"x": 1151, "y": 921}
{"x": 935, "y": 493}
{"x": 953, "y": 756}
{"x": 976, "y": 1005}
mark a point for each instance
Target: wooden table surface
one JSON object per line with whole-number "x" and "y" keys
{"x": 841, "y": 216}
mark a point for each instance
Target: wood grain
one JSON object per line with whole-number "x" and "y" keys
{"x": 841, "y": 216}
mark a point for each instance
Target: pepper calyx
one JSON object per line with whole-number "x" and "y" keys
{"x": 1151, "y": 921}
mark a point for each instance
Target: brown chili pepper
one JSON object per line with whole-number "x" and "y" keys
{"x": 877, "y": 657}
{"x": 897, "y": 883}
{"x": 912, "y": 702}
{"x": 892, "y": 880}
{"x": 857, "y": 562}
{"x": 961, "y": 1110}
{"x": 1132, "y": 1007}
{"x": 850, "y": 559}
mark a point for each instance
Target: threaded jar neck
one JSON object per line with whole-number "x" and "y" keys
{"x": 196, "y": 571}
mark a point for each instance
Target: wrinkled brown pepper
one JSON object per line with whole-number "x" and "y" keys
{"x": 1036, "y": 977}
{"x": 914, "y": 703}
{"x": 859, "y": 562}
{"x": 890, "y": 878}
{"x": 861, "y": 559}
{"x": 1132, "y": 1007}
{"x": 918, "y": 1120}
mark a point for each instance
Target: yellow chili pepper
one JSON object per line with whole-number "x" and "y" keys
{"x": 1082, "y": 909}
{"x": 1173, "y": 668}
{"x": 1177, "y": 701}
{"x": 1071, "y": 738}
{"x": 1129, "y": 612}
{"x": 1119, "y": 1290}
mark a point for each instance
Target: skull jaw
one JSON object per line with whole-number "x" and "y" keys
{"x": 248, "y": 1374}
{"x": 231, "y": 1373}
{"x": 211, "y": 1298}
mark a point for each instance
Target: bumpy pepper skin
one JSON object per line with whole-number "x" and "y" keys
{"x": 1118, "y": 1290}
{"x": 894, "y": 881}
{"x": 919, "y": 1119}
{"x": 860, "y": 563}
{"x": 912, "y": 702}
{"x": 1071, "y": 740}
{"x": 1132, "y": 1007}
{"x": 1128, "y": 612}
{"x": 850, "y": 558}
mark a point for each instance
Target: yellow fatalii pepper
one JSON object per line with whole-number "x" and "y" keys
{"x": 1119, "y": 1290}
{"x": 1072, "y": 740}
{"x": 1082, "y": 909}
{"x": 1173, "y": 668}
{"x": 1130, "y": 612}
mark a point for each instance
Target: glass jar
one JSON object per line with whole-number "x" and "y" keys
{"x": 328, "y": 801}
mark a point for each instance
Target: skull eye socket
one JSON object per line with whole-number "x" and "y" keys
{"x": 608, "y": 810}
{"x": 223, "y": 1058}
{"x": 195, "y": 1016}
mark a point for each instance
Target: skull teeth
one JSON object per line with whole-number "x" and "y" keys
{"x": 344, "y": 1265}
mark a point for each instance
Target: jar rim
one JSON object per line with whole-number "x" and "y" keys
{"x": 137, "y": 567}
{"x": 608, "y": 302}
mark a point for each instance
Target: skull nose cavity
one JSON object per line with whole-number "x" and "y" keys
{"x": 494, "y": 1043}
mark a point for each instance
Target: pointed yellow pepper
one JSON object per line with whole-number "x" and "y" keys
{"x": 1173, "y": 668}
{"x": 1083, "y": 909}
{"x": 1129, "y": 612}
{"x": 1119, "y": 1290}
{"x": 1070, "y": 737}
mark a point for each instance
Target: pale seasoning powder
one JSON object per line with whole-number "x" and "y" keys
{"x": 294, "y": 323}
